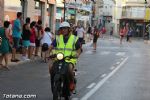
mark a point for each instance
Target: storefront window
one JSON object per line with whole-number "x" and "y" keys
{"x": 47, "y": 7}
{"x": 37, "y": 5}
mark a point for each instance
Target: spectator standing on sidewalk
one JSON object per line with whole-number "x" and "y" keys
{"x": 39, "y": 33}
{"x": 5, "y": 48}
{"x": 16, "y": 36}
{"x": 26, "y": 39}
{"x": 46, "y": 41}
{"x": 32, "y": 39}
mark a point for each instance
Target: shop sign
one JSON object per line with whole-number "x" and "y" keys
{"x": 37, "y": 12}
{"x": 71, "y": 11}
{"x": 138, "y": 12}
{"x": 58, "y": 15}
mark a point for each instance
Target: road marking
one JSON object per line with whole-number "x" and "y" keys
{"x": 91, "y": 85}
{"x": 122, "y": 58}
{"x": 117, "y": 63}
{"x": 103, "y": 75}
{"x": 120, "y": 54}
{"x": 100, "y": 83}
{"x": 105, "y": 53}
{"x": 112, "y": 68}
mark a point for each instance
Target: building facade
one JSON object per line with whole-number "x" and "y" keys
{"x": 2, "y": 12}
{"x": 35, "y": 9}
{"x": 130, "y": 12}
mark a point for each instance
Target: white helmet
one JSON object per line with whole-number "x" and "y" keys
{"x": 64, "y": 24}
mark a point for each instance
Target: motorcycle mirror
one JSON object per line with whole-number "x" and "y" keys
{"x": 60, "y": 56}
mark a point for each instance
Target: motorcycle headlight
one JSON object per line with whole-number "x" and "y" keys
{"x": 60, "y": 56}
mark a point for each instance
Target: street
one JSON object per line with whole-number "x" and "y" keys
{"x": 113, "y": 72}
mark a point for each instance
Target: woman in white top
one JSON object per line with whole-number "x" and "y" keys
{"x": 46, "y": 42}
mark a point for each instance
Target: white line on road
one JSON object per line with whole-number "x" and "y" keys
{"x": 120, "y": 54}
{"x": 100, "y": 83}
{"x": 122, "y": 58}
{"x": 91, "y": 85}
{"x": 117, "y": 63}
{"x": 112, "y": 68}
{"x": 103, "y": 75}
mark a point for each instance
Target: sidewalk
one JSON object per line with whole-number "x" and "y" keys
{"x": 18, "y": 56}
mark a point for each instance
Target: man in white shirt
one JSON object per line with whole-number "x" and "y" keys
{"x": 80, "y": 33}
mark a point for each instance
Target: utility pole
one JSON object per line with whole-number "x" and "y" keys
{"x": 64, "y": 10}
{"x": 75, "y": 11}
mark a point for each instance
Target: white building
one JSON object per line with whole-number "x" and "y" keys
{"x": 104, "y": 11}
{"x": 132, "y": 12}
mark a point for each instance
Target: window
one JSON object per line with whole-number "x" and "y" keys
{"x": 47, "y": 7}
{"x": 37, "y": 5}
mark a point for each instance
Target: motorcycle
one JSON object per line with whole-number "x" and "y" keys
{"x": 60, "y": 82}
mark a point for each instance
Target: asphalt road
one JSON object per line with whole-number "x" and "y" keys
{"x": 113, "y": 72}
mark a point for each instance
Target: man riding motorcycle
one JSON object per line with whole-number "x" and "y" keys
{"x": 69, "y": 45}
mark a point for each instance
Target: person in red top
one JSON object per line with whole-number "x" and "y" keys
{"x": 32, "y": 39}
{"x": 103, "y": 31}
{"x": 122, "y": 33}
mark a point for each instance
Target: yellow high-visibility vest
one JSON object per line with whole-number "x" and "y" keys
{"x": 67, "y": 49}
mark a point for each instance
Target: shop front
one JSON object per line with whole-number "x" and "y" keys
{"x": 2, "y": 11}
{"x": 138, "y": 26}
{"x": 71, "y": 15}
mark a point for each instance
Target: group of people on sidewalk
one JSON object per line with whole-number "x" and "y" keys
{"x": 27, "y": 38}
{"x": 30, "y": 38}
